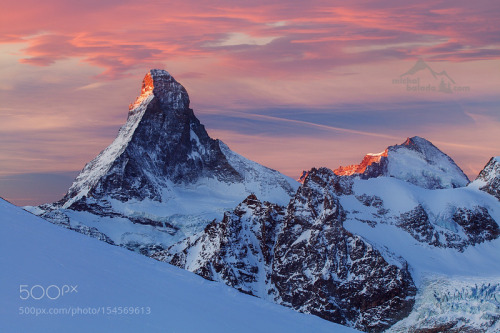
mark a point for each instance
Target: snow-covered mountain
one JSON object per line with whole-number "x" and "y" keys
{"x": 488, "y": 179}
{"x": 416, "y": 161}
{"x": 360, "y": 251}
{"x": 163, "y": 177}
{"x": 302, "y": 257}
{"x": 450, "y": 240}
{"x": 116, "y": 290}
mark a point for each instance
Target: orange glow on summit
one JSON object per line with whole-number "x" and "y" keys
{"x": 369, "y": 159}
{"x": 146, "y": 91}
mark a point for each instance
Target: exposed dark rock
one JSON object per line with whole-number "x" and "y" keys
{"x": 167, "y": 142}
{"x": 144, "y": 249}
{"x": 303, "y": 259}
{"x": 238, "y": 251}
{"x": 477, "y": 225}
{"x": 59, "y": 218}
{"x": 321, "y": 268}
{"x": 370, "y": 200}
{"x": 490, "y": 177}
{"x": 417, "y": 224}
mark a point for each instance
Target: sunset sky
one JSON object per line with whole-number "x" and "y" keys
{"x": 289, "y": 84}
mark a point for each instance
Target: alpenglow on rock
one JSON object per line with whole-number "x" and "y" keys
{"x": 163, "y": 177}
{"x": 416, "y": 161}
{"x": 161, "y": 143}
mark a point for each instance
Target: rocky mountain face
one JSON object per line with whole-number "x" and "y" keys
{"x": 161, "y": 143}
{"x": 416, "y": 161}
{"x": 488, "y": 179}
{"x": 475, "y": 226}
{"x": 163, "y": 177}
{"x": 375, "y": 163}
{"x": 323, "y": 269}
{"x": 302, "y": 257}
{"x": 447, "y": 220}
{"x": 239, "y": 250}
{"x": 328, "y": 252}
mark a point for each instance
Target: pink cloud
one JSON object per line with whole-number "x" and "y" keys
{"x": 117, "y": 36}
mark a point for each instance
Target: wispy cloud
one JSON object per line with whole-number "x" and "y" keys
{"x": 311, "y": 124}
{"x": 118, "y": 36}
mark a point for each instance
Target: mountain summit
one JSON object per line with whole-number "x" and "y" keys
{"x": 162, "y": 142}
{"x": 164, "y": 171}
{"x": 416, "y": 161}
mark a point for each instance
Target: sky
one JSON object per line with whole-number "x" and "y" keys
{"x": 289, "y": 84}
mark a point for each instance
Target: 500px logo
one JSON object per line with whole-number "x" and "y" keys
{"x": 52, "y": 292}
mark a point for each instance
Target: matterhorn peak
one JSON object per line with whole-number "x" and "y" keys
{"x": 161, "y": 142}
{"x": 164, "y": 170}
{"x": 170, "y": 93}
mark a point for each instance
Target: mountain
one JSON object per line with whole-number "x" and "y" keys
{"x": 450, "y": 240}
{"x": 163, "y": 177}
{"x": 109, "y": 280}
{"x": 370, "y": 160}
{"x": 302, "y": 257}
{"x": 488, "y": 179}
{"x": 416, "y": 161}
{"x": 374, "y": 253}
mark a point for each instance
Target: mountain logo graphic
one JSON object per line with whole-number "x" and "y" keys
{"x": 416, "y": 84}
{"x": 422, "y": 66}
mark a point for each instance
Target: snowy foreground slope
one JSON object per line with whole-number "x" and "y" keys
{"x": 35, "y": 252}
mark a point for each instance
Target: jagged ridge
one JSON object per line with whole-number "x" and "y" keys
{"x": 301, "y": 257}
{"x": 416, "y": 161}
{"x": 488, "y": 179}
